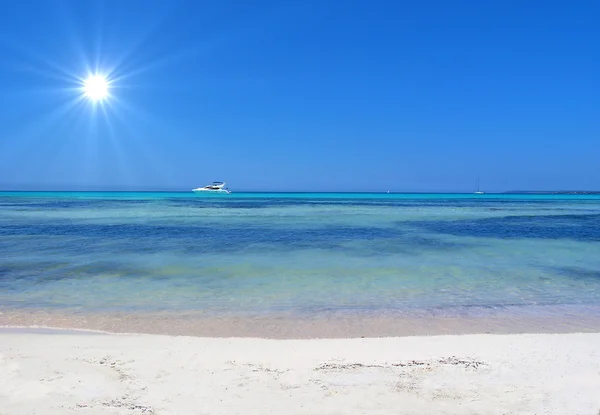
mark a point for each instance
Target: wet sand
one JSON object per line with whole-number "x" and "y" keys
{"x": 531, "y": 320}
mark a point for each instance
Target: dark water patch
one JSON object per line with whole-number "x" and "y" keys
{"x": 218, "y": 232}
{"x": 27, "y": 270}
{"x": 104, "y": 267}
{"x": 21, "y": 275}
{"x": 577, "y": 273}
{"x": 584, "y": 227}
{"x": 140, "y": 239}
{"x": 276, "y": 203}
{"x": 61, "y": 204}
{"x": 408, "y": 244}
{"x": 263, "y": 203}
{"x": 16, "y": 267}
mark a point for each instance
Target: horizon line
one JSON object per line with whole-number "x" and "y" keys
{"x": 290, "y": 191}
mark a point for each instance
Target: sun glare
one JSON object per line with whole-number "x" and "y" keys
{"x": 96, "y": 87}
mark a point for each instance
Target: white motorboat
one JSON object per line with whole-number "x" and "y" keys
{"x": 215, "y": 187}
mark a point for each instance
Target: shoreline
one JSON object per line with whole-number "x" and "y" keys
{"x": 157, "y": 374}
{"x": 328, "y": 326}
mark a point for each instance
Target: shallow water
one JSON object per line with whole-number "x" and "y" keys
{"x": 303, "y": 255}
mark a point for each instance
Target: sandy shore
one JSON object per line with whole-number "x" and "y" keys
{"x": 539, "y": 319}
{"x": 58, "y": 373}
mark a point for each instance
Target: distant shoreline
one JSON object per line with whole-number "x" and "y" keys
{"x": 558, "y": 192}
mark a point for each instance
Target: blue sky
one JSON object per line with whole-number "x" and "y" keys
{"x": 307, "y": 95}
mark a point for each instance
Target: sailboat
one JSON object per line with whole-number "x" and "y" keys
{"x": 477, "y": 191}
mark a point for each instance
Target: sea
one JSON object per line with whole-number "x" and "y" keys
{"x": 300, "y": 264}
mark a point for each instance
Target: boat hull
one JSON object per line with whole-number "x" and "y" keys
{"x": 205, "y": 192}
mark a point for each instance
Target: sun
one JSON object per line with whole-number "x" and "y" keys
{"x": 95, "y": 87}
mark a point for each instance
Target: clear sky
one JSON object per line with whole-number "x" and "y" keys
{"x": 305, "y": 95}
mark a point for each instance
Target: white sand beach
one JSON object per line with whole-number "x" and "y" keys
{"x": 57, "y": 373}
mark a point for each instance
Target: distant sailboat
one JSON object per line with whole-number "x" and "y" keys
{"x": 477, "y": 191}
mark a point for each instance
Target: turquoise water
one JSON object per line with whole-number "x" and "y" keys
{"x": 297, "y": 253}
{"x": 299, "y": 195}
